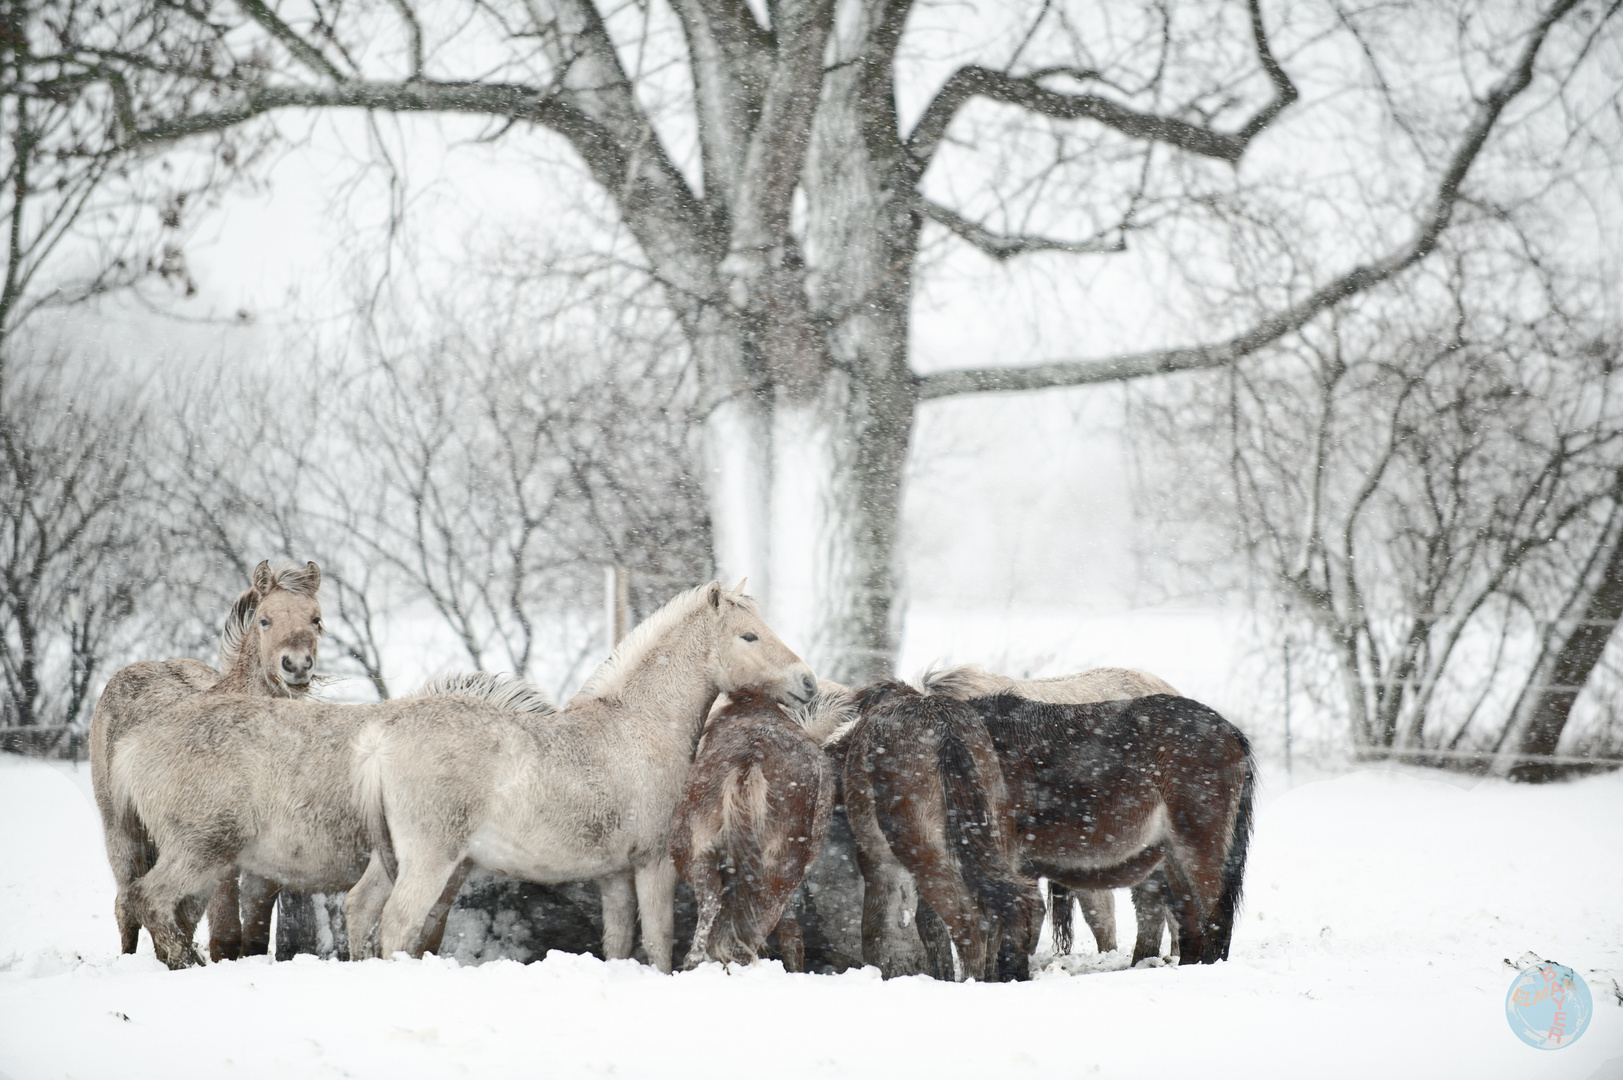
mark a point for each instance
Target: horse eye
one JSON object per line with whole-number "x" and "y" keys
{"x": 749, "y": 637}
{"x": 316, "y": 622}
{"x": 265, "y": 623}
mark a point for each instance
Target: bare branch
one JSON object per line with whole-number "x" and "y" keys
{"x": 1029, "y": 92}
{"x": 415, "y": 29}
{"x": 1001, "y": 246}
{"x": 307, "y": 54}
{"x": 1359, "y": 279}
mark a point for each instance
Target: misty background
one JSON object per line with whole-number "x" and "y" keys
{"x": 429, "y": 348}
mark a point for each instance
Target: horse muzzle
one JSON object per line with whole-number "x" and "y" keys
{"x": 296, "y": 669}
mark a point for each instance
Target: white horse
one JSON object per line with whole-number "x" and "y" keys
{"x": 267, "y": 649}
{"x": 222, "y": 783}
{"x": 586, "y": 794}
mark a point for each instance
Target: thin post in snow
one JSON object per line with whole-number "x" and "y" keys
{"x": 616, "y": 603}
{"x": 1288, "y": 777}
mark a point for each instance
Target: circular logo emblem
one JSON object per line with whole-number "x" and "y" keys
{"x": 1548, "y": 1006}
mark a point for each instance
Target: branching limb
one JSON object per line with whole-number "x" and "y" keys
{"x": 306, "y": 53}
{"x": 1029, "y": 92}
{"x": 1272, "y": 328}
{"x": 1001, "y": 246}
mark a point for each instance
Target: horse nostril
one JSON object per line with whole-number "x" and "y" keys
{"x": 287, "y": 665}
{"x": 809, "y": 683}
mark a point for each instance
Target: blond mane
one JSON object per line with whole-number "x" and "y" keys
{"x": 963, "y": 682}
{"x": 635, "y": 646}
{"x": 291, "y": 576}
{"x": 507, "y": 692}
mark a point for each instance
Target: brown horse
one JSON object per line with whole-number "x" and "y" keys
{"x": 267, "y": 649}
{"x": 1104, "y": 794}
{"x": 752, "y": 819}
{"x": 1095, "y": 684}
{"x": 924, "y": 794}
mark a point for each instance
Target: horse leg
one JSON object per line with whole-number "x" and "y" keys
{"x": 1201, "y": 871}
{"x": 225, "y": 924}
{"x": 169, "y": 901}
{"x": 130, "y": 857}
{"x": 791, "y": 943}
{"x": 1099, "y": 912}
{"x": 1150, "y": 907}
{"x": 441, "y": 913}
{"x": 656, "y": 893}
{"x": 937, "y": 944}
{"x": 362, "y": 907}
{"x": 417, "y": 890}
{"x": 940, "y": 887}
{"x": 706, "y": 882}
{"x": 619, "y": 915}
{"x": 257, "y": 898}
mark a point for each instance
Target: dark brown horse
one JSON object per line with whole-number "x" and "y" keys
{"x": 1104, "y": 794}
{"x": 924, "y": 793}
{"x": 752, "y": 819}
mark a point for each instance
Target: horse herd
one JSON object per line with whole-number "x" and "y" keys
{"x": 702, "y": 747}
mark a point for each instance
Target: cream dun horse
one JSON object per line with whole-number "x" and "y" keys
{"x": 587, "y": 794}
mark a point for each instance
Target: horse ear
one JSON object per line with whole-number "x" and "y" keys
{"x": 262, "y": 577}
{"x": 314, "y": 573}
{"x": 713, "y": 594}
{"x": 739, "y": 588}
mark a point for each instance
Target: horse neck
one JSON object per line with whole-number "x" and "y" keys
{"x": 674, "y": 679}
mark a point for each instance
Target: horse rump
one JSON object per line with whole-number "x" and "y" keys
{"x": 924, "y": 768}
{"x": 752, "y": 819}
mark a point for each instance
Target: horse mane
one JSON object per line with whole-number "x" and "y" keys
{"x": 963, "y": 682}
{"x": 635, "y": 646}
{"x": 832, "y": 710}
{"x": 506, "y": 692}
{"x": 236, "y": 627}
{"x": 294, "y": 577}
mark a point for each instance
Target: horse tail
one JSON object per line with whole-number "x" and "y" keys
{"x": 743, "y": 815}
{"x": 974, "y": 834}
{"x": 1059, "y": 916}
{"x": 370, "y": 757}
{"x": 1228, "y": 903}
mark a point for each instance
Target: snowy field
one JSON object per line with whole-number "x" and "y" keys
{"x": 1380, "y": 907}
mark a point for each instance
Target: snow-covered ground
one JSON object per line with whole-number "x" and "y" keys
{"x": 1380, "y": 909}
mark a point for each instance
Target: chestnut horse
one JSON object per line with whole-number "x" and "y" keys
{"x": 752, "y": 819}
{"x": 927, "y": 804}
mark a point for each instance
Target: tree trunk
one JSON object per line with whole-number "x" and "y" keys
{"x": 845, "y": 440}
{"x": 1551, "y": 701}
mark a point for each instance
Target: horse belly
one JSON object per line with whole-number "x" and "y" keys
{"x": 541, "y": 856}
{"x": 1098, "y": 844}
{"x": 305, "y": 862}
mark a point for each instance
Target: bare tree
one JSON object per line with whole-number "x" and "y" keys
{"x": 1432, "y": 480}
{"x": 75, "y": 551}
{"x": 249, "y": 471}
{"x": 798, "y": 318}
{"x": 82, "y": 216}
{"x": 507, "y": 478}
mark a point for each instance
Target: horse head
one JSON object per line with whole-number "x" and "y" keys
{"x": 275, "y": 627}
{"x": 751, "y": 655}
